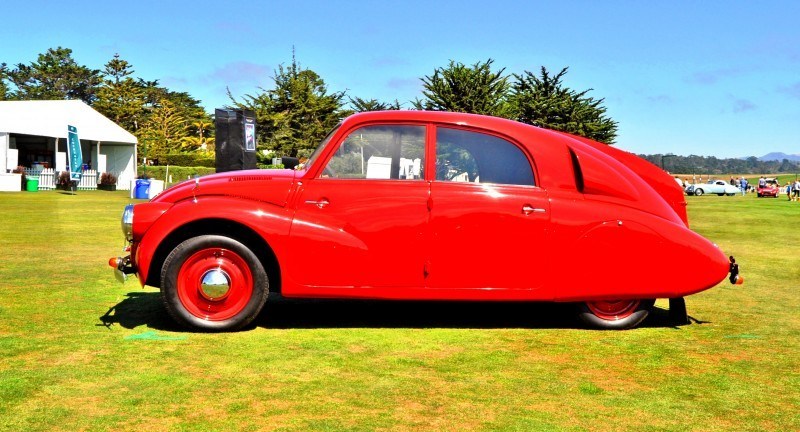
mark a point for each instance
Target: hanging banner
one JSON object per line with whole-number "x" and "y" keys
{"x": 74, "y": 155}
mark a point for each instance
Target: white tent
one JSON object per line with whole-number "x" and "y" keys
{"x": 35, "y": 132}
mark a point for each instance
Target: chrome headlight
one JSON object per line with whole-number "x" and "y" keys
{"x": 127, "y": 222}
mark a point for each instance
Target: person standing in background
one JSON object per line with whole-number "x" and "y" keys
{"x": 796, "y": 190}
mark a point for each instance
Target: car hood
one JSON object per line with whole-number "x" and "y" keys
{"x": 270, "y": 185}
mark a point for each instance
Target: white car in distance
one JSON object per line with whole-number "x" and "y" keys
{"x": 719, "y": 187}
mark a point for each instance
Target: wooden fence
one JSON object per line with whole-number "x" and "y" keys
{"x": 48, "y": 178}
{"x": 89, "y": 180}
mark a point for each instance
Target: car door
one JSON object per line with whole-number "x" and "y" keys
{"x": 489, "y": 221}
{"x": 361, "y": 222}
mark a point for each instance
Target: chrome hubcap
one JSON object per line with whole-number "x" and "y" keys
{"x": 215, "y": 284}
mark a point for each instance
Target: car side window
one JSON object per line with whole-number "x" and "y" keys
{"x": 467, "y": 156}
{"x": 380, "y": 152}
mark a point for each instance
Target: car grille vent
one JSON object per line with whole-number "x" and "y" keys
{"x": 250, "y": 178}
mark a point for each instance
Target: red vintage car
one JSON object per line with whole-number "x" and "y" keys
{"x": 770, "y": 187}
{"x": 425, "y": 206}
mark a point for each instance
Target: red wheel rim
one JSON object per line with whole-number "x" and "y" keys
{"x": 221, "y": 261}
{"x": 612, "y": 310}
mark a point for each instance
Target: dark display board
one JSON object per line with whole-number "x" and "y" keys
{"x": 235, "y": 139}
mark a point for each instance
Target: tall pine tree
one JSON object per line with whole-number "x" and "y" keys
{"x": 54, "y": 75}
{"x": 364, "y": 105}
{"x": 473, "y": 89}
{"x": 543, "y": 100}
{"x": 3, "y": 85}
{"x": 296, "y": 114}
{"x": 121, "y": 98}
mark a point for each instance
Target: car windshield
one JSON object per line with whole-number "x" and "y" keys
{"x": 318, "y": 151}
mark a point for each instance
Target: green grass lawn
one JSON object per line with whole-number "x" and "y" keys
{"x": 79, "y": 351}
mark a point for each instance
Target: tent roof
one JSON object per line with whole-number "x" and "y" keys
{"x": 51, "y": 118}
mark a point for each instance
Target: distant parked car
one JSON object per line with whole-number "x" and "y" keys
{"x": 769, "y": 189}
{"x": 719, "y": 187}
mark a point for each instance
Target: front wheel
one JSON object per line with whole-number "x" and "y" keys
{"x": 615, "y": 314}
{"x": 213, "y": 283}
{"x": 698, "y": 192}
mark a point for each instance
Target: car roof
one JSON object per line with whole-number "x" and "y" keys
{"x": 551, "y": 151}
{"x": 451, "y": 118}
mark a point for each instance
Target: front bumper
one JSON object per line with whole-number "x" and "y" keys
{"x": 734, "y": 278}
{"x": 122, "y": 267}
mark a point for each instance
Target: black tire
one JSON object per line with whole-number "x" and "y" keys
{"x": 698, "y": 192}
{"x": 186, "y": 299}
{"x": 720, "y": 194}
{"x": 631, "y": 319}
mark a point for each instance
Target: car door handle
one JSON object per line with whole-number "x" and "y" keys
{"x": 528, "y": 209}
{"x": 321, "y": 203}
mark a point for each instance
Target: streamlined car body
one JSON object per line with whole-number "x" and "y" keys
{"x": 418, "y": 205}
{"x": 719, "y": 187}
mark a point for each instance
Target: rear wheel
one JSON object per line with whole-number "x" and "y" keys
{"x": 615, "y": 314}
{"x": 698, "y": 192}
{"x": 213, "y": 283}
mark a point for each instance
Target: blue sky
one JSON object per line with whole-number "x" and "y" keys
{"x": 714, "y": 78}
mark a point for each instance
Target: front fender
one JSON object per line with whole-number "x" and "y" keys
{"x": 271, "y": 222}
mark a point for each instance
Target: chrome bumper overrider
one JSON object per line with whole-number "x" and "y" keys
{"x": 122, "y": 267}
{"x": 735, "y": 278}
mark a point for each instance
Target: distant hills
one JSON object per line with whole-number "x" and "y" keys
{"x": 772, "y": 163}
{"x": 778, "y": 156}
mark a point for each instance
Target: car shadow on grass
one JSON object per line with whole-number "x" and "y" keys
{"x": 146, "y": 309}
{"x": 660, "y": 317}
{"x": 286, "y": 313}
{"x": 139, "y": 309}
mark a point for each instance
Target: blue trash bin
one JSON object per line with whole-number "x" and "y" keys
{"x": 142, "y": 189}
